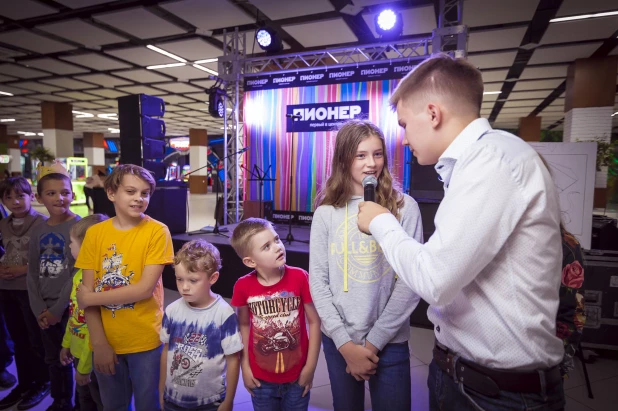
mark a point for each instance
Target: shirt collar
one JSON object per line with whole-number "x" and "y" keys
{"x": 468, "y": 136}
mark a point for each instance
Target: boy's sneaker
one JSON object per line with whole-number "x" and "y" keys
{"x": 14, "y": 397}
{"x": 61, "y": 405}
{"x": 34, "y": 396}
{"x": 7, "y": 380}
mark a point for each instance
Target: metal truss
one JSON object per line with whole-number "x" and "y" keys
{"x": 395, "y": 51}
{"x": 231, "y": 73}
{"x": 451, "y": 36}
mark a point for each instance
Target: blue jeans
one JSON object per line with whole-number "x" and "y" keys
{"x": 137, "y": 374}
{"x": 445, "y": 394}
{"x": 279, "y": 397}
{"x": 390, "y": 387}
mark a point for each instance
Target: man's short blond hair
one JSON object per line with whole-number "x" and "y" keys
{"x": 245, "y": 231}
{"x": 456, "y": 80}
{"x": 113, "y": 181}
{"x": 199, "y": 256}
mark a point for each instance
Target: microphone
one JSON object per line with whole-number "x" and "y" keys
{"x": 369, "y": 184}
{"x": 294, "y": 116}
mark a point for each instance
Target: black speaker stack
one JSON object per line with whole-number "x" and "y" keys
{"x": 142, "y": 142}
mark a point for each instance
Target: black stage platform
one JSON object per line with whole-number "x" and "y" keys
{"x": 233, "y": 268}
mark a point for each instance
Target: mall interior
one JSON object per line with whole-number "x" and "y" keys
{"x": 232, "y": 105}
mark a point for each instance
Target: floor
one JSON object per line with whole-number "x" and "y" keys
{"x": 603, "y": 372}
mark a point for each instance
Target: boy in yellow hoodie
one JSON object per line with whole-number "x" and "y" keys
{"x": 76, "y": 342}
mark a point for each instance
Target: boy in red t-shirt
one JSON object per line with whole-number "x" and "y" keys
{"x": 278, "y": 360}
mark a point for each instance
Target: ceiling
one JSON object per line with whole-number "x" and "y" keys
{"x": 90, "y": 52}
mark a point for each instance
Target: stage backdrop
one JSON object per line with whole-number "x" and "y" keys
{"x": 270, "y": 145}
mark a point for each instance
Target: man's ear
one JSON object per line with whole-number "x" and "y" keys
{"x": 111, "y": 195}
{"x": 248, "y": 261}
{"x": 435, "y": 114}
{"x": 213, "y": 277}
{"x": 38, "y": 198}
{"x": 32, "y": 197}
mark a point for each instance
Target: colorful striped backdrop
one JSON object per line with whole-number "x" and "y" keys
{"x": 270, "y": 145}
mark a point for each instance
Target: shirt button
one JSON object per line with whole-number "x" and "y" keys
{"x": 438, "y": 328}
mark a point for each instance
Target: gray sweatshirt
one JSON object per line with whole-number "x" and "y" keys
{"x": 377, "y": 306}
{"x": 50, "y": 267}
{"x": 16, "y": 242}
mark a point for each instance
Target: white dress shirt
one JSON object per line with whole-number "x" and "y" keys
{"x": 491, "y": 271}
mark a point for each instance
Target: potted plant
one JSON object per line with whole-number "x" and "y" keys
{"x": 42, "y": 155}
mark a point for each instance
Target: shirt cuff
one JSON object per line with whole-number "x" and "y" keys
{"x": 381, "y": 225}
{"x": 340, "y": 337}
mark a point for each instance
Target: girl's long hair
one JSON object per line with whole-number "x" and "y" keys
{"x": 338, "y": 188}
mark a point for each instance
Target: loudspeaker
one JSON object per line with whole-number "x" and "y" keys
{"x": 169, "y": 206}
{"x": 136, "y": 121}
{"x": 153, "y": 148}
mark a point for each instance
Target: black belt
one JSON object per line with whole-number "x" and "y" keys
{"x": 490, "y": 381}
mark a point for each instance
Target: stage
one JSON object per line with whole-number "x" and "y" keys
{"x": 232, "y": 267}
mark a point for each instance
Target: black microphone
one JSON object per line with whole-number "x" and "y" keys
{"x": 296, "y": 116}
{"x": 369, "y": 184}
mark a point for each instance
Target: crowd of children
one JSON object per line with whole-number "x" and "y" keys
{"x": 85, "y": 300}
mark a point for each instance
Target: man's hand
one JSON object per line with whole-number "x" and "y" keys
{"x": 305, "y": 379}
{"x": 105, "y": 359}
{"x": 367, "y": 211}
{"x": 82, "y": 295}
{"x": 65, "y": 356}
{"x": 362, "y": 363}
{"x": 82, "y": 379}
{"x": 249, "y": 381}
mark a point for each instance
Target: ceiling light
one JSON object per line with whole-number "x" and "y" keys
{"x": 160, "y": 66}
{"x": 492, "y": 92}
{"x": 6, "y": 120}
{"x": 26, "y": 133}
{"x": 114, "y": 130}
{"x": 39, "y": 134}
{"x": 5, "y": 93}
{"x": 81, "y": 114}
{"x": 388, "y": 24}
{"x": 206, "y": 61}
{"x": 616, "y": 113}
{"x": 268, "y": 39}
{"x": 166, "y": 53}
{"x": 206, "y": 69}
{"x": 108, "y": 116}
{"x": 585, "y": 16}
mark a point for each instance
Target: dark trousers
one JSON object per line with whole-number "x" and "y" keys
{"x": 89, "y": 197}
{"x": 88, "y": 397}
{"x": 61, "y": 376}
{"x": 6, "y": 344}
{"x": 26, "y": 334}
{"x": 446, "y": 394}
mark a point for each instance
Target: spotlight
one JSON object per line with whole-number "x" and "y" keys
{"x": 268, "y": 39}
{"x": 216, "y": 104}
{"x": 389, "y": 24}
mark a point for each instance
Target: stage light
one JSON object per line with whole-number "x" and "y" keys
{"x": 4, "y": 120}
{"x": 268, "y": 39}
{"x": 389, "y": 24}
{"x": 216, "y": 103}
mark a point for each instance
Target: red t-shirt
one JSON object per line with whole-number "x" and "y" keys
{"x": 278, "y": 340}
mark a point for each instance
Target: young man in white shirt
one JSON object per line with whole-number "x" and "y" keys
{"x": 491, "y": 271}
